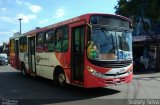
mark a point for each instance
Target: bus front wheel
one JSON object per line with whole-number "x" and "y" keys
{"x": 61, "y": 79}
{"x": 23, "y": 69}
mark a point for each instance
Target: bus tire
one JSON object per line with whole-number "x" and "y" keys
{"x": 23, "y": 69}
{"x": 59, "y": 77}
{"x": 62, "y": 79}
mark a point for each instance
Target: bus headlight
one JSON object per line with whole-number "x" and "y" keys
{"x": 90, "y": 69}
{"x": 130, "y": 71}
{"x": 94, "y": 72}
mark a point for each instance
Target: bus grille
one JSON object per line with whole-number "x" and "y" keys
{"x": 115, "y": 74}
{"x": 112, "y": 64}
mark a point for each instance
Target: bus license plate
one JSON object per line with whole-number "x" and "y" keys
{"x": 116, "y": 80}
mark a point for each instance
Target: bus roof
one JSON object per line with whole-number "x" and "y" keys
{"x": 69, "y": 21}
{"x": 17, "y": 36}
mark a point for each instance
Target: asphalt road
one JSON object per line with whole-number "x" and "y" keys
{"x": 17, "y": 89}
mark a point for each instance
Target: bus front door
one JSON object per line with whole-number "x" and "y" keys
{"x": 77, "y": 54}
{"x": 31, "y": 54}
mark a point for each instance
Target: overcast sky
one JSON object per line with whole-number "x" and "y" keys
{"x": 40, "y": 13}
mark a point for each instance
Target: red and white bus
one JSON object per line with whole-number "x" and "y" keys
{"x": 91, "y": 50}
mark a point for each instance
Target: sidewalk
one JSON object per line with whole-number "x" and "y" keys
{"x": 146, "y": 75}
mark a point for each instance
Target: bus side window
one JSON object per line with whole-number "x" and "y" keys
{"x": 40, "y": 42}
{"x": 65, "y": 39}
{"x": 23, "y": 44}
{"x": 49, "y": 42}
{"x": 58, "y": 40}
{"x": 61, "y": 40}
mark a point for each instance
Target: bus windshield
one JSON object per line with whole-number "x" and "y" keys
{"x": 109, "y": 45}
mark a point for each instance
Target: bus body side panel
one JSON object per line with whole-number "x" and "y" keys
{"x": 64, "y": 62}
{"x": 13, "y": 60}
{"x": 22, "y": 58}
{"x": 45, "y": 64}
{"x": 14, "y": 56}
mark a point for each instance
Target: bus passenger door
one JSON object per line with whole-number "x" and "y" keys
{"x": 77, "y": 54}
{"x": 31, "y": 54}
{"x": 17, "y": 53}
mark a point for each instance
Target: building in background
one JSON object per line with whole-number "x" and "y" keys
{"x": 146, "y": 45}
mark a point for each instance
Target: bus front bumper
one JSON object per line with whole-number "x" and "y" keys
{"x": 93, "y": 81}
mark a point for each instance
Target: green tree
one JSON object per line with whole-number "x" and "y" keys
{"x": 133, "y": 8}
{"x": 145, "y": 9}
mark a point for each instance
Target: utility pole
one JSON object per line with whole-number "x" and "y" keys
{"x": 20, "y": 19}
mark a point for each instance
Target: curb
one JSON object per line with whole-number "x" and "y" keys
{"x": 152, "y": 75}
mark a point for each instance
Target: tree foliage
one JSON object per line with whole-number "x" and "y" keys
{"x": 134, "y": 8}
